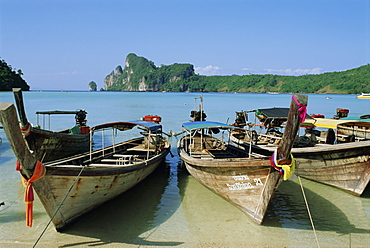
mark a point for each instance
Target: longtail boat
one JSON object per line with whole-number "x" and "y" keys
{"x": 340, "y": 159}
{"x": 247, "y": 180}
{"x": 72, "y": 186}
{"x": 356, "y": 129}
{"x": 48, "y": 145}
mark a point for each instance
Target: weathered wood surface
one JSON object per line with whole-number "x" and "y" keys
{"x": 95, "y": 186}
{"x": 345, "y": 166}
{"x": 291, "y": 129}
{"x": 360, "y": 129}
{"x": 11, "y": 127}
{"x": 20, "y": 106}
{"x": 248, "y": 183}
{"x": 347, "y": 169}
{"x": 49, "y": 145}
{"x": 8, "y": 117}
{"x": 248, "y": 188}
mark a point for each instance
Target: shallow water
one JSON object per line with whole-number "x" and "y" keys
{"x": 171, "y": 208}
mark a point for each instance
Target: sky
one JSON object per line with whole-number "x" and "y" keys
{"x": 66, "y": 44}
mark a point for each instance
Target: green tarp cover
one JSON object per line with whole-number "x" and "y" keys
{"x": 205, "y": 124}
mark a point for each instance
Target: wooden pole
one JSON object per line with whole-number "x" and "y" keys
{"x": 291, "y": 129}
{"x": 8, "y": 117}
{"x": 20, "y": 106}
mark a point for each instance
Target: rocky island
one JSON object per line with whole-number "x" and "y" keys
{"x": 140, "y": 74}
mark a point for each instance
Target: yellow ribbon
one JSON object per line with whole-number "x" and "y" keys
{"x": 288, "y": 168}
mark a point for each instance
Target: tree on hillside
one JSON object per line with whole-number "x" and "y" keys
{"x": 9, "y": 78}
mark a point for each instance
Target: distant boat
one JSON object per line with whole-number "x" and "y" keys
{"x": 48, "y": 145}
{"x": 328, "y": 97}
{"x": 364, "y": 96}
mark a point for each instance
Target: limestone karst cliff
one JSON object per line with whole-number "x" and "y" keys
{"x": 140, "y": 74}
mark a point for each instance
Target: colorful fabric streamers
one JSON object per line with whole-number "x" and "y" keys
{"x": 285, "y": 169}
{"x": 38, "y": 172}
{"x": 26, "y": 130}
{"x": 303, "y": 109}
{"x": 18, "y": 165}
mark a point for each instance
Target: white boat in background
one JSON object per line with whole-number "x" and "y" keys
{"x": 364, "y": 96}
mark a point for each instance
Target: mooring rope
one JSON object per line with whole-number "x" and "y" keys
{"x": 308, "y": 210}
{"x": 60, "y": 205}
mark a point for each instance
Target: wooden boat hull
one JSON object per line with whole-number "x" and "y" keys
{"x": 49, "y": 145}
{"x": 96, "y": 185}
{"x": 358, "y": 129}
{"x": 72, "y": 186}
{"x": 249, "y": 184}
{"x": 345, "y": 166}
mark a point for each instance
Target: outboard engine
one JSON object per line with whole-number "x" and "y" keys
{"x": 341, "y": 113}
{"x": 81, "y": 117}
{"x": 241, "y": 119}
{"x": 198, "y": 115}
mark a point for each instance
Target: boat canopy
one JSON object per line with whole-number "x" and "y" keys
{"x": 205, "y": 124}
{"x": 59, "y": 112}
{"x": 275, "y": 113}
{"x": 123, "y": 126}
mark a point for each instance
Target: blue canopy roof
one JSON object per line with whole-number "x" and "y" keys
{"x": 205, "y": 124}
{"x": 150, "y": 126}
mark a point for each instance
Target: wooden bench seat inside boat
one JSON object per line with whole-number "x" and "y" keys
{"x": 201, "y": 154}
{"x": 141, "y": 148}
{"x": 120, "y": 159}
{"x": 111, "y": 165}
{"x": 221, "y": 153}
{"x": 136, "y": 156}
{"x": 199, "y": 144}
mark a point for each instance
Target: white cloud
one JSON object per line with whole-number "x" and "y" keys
{"x": 294, "y": 72}
{"x": 248, "y": 69}
{"x": 208, "y": 70}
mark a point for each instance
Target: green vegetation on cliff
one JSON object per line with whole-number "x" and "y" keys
{"x": 352, "y": 81}
{"x": 11, "y": 79}
{"x": 141, "y": 74}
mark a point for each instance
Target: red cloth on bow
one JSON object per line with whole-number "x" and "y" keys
{"x": 38, "y": 172}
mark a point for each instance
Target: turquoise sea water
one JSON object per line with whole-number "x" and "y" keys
{"x": 172, "y": 209}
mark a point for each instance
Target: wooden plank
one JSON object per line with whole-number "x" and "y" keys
{"x": 20, "y": 106}
{"x": 291, "y": 129}
{"x": 111, "y": 165}
{"x": 11, "y": 127}
{"x": 8, "y": 118}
